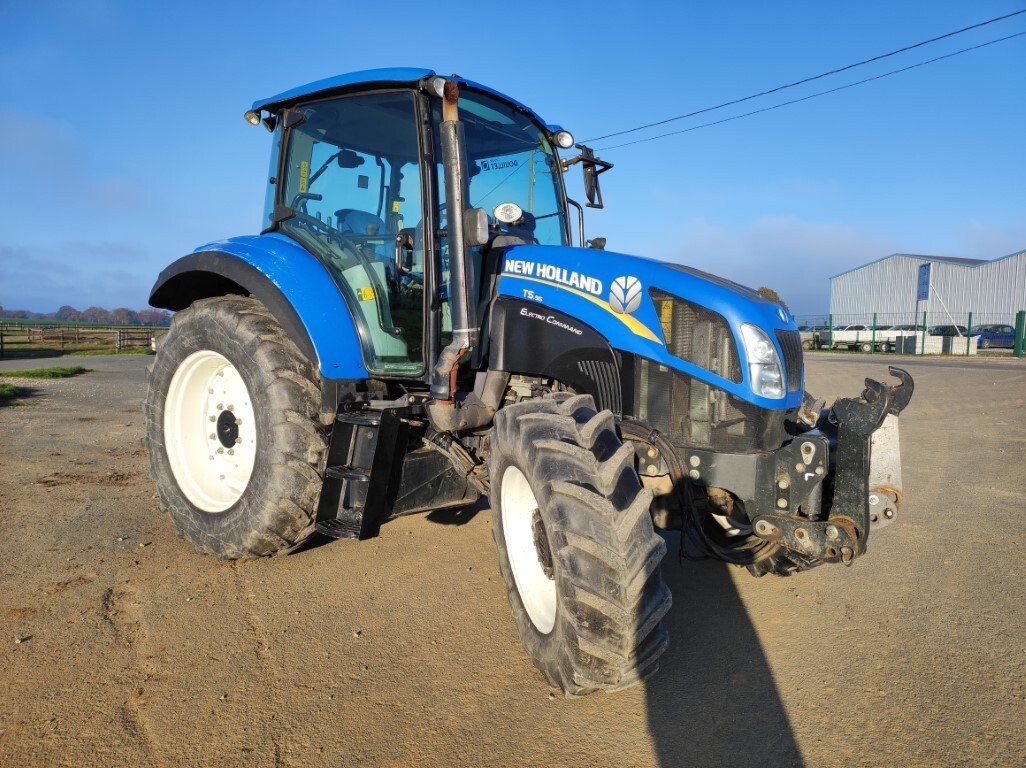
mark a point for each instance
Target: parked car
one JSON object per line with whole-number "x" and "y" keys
{"x": 994, "y": 336}
{"x": 853, "y": 337}
{"x": 948, "y": 330}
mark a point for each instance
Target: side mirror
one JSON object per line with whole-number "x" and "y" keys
{"x": 593, "y": 167}
{"x": 475, "y": 227}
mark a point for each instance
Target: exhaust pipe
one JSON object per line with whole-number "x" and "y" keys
{"x": 466, "y": 227}
{"x": 464, "y": 314}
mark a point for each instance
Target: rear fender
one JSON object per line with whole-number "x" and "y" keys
{"x": 286, "y": 278}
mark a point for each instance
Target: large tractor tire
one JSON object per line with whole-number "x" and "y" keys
{"x": 232, "y": 429}
{"x": 576, "y": 544}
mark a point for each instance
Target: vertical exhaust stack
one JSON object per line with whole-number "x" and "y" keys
{"x": 466, "y": 227}
{"x": 464, "y": 319}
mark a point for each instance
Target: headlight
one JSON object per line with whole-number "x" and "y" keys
{"x": 763, "y": 363}
{"x": 564, "y": 139}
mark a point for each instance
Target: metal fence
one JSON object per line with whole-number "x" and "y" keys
{"x": 918, "y": 333}
{"x": 30, "y": 340}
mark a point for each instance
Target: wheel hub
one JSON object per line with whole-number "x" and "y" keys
{"x": 227, "y": 429}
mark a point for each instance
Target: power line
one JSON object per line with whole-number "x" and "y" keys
{"x": 813, "y": 95}
{"x": 808, "y": 79}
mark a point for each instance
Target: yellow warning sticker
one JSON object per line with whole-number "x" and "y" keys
{"x": 304, "y": 175}
{"x": 366, "y": 293}
{"x": 666, "y": 318}
{"x": 395, "y": 206}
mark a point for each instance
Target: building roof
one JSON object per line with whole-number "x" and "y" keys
{"x": 367, "y": 77}
{"x": 954, "y": 260}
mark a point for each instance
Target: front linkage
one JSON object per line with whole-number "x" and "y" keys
{"x": 833, "y": 467}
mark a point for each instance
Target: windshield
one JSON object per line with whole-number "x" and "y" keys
{"x": 510, "y": 161}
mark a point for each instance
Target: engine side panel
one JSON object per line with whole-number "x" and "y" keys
{"x": 529, "y": 339}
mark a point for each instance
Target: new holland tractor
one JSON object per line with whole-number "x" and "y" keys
{"x": 414, "y": 329}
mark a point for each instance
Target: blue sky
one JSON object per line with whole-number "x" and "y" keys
{"x": 122, "y": 143}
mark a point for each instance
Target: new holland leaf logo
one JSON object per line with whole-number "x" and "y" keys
{"x": 625, "y": 295}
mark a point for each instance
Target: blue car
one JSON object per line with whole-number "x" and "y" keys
{"x": 994, "y": 336}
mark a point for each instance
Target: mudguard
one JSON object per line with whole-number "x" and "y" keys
{"x": 290, "y": 281}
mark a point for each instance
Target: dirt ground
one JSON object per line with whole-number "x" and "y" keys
{"x": 121, "y": 646}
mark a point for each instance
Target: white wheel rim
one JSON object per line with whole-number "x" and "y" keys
{"x": 211, "y": 459}
{"x": 537, "y": 591}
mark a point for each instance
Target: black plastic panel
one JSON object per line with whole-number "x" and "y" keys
{"x": 791, "y": 344}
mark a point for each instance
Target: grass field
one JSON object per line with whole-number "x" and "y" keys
{"x": 57, "y": 372}
{"x": 32, "y": 352}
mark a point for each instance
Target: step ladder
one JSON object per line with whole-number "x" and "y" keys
{"x": 360, "y": 474}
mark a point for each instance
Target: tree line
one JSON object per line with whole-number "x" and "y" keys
{"x": 94, "y": 316}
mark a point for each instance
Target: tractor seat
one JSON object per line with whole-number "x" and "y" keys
{"x": 359, "y": 222}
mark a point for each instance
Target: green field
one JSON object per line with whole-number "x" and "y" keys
{"x": 56, "y": 372}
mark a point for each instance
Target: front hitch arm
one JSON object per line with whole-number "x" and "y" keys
{"x": 844, "y": 534}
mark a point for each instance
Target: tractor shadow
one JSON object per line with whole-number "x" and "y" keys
{"x": 449, "y": 516}
{"x": 714, "y": 701}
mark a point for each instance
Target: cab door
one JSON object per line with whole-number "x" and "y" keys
{"x": 352, "y": 194}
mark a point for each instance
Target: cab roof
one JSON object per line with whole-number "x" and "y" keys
{"x": 377, "y": 77}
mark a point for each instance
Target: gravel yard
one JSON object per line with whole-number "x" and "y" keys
{"x": 121, "y": 646}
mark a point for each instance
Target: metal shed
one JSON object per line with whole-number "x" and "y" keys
{"x": 992, "y": 290}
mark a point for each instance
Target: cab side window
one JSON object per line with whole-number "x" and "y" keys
{"x": 353, "y": 183}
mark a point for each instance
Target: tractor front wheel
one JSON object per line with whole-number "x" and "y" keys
{"x": 236, "y": 448}
{"x": 576, "y": 544}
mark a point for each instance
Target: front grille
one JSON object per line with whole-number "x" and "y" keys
{"x": 698, "y": 335}
{"x": 791, "y": 344}
{"x": 692, "y": 413}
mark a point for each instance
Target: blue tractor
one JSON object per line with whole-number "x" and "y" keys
{"x": 414, "y": 329}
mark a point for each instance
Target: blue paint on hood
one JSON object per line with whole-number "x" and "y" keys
{"x": 641, "y": 331}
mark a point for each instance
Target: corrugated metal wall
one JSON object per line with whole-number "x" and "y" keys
{"x": 888, "y": 287}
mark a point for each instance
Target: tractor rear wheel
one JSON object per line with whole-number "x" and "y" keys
{"x": 576, "y": 544}
{"x": 232, "y": 429}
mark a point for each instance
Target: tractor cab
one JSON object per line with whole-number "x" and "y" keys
{"x": 357, "y": 177}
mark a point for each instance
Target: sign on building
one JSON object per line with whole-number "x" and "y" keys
{"x": 923, "y": 283}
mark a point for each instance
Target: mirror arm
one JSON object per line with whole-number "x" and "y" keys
{"x": 580, "y": 219}
{"x": 593, "y": 167}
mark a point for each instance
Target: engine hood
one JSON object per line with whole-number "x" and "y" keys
{"x": 611, "y": 292}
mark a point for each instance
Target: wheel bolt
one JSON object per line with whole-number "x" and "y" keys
{"x": 220, "y": 450}
{"x": 832, "y": 532}
{"x": 213, "y": 436}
